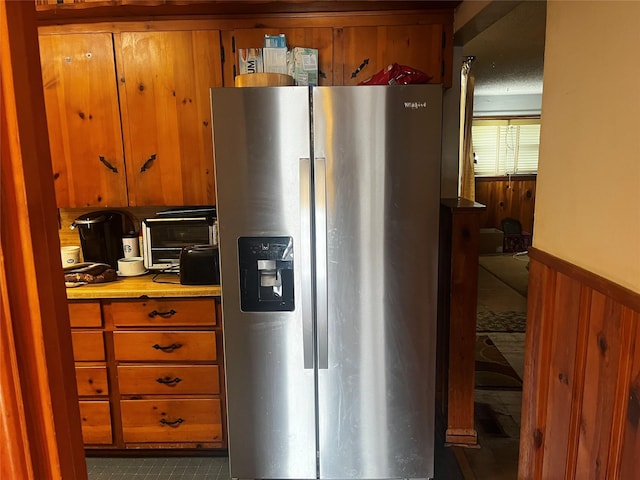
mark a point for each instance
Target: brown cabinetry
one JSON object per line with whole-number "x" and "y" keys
{"x": 96, "y": 422}
{"x": 172, "y": 420}
{"x": 320, "y": 38}
{"x": 83, "y": 119}
{"x": 351, "y": 49}
{"x": 87, "y": 336}
{"x": 369, "y": 49}
{"x": 128, "y": 113}
{"x": 160, "y": 381}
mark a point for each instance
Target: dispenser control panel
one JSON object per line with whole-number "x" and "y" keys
{"x": 266, "y": 274}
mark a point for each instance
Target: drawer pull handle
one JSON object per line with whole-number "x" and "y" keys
{"x": 174, "y": 423}
{"x": 168, "y": 314}
{"x": 107, "y": 164}
{"x": 148, "y": 163}
{"x": 169, "y": 381}
{"x": 169, "y": 348}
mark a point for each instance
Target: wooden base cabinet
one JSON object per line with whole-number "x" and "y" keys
{"x": 87, "y": 336}
{"x": 172, "y": 420}
{"x": 96, "y": 422}
{"x": 150, "y": 372}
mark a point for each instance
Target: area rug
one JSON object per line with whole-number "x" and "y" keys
{"x": 510, "y": 269}
{"x": 488, "y": 321}
{"x": 487, "y": 420}
{"x": 493, "y": 371}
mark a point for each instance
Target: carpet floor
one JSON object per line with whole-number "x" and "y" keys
{"x": 510, "y": 268}
{"x": 509, "y": 321}
{"x": 492, "y": 369}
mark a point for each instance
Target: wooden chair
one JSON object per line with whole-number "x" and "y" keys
{"x": 515, "y": 239}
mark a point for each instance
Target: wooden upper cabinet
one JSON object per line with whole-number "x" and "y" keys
{"x": 83, "y": 119}
{"x": 164, "y": 79}
{"x": 368, "y": 49}
{"x": 320, "y": 38}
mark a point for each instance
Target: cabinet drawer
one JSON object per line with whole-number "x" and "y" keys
{"x": 168, "y": 379}
{"x": 96, "y": 422}
{"x": 164, "y": 312}
{"x": 184, "y": 420}
{"x": 85, "y": 314}
{"x": 92, "y": 380}
{"x": 164, "y": 346}
{"x": 87, "y": 345}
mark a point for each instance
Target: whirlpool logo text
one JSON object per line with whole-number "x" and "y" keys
{"x": 415, "y": 105}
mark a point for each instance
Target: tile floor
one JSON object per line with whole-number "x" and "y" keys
{"x": 496, "y": 459}
{"x": 158, "y": 468}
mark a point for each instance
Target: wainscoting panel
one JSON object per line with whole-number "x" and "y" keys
{"x": 513, "y": 197}
{"x": 581, "y": 395}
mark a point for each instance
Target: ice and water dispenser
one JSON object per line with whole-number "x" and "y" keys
{"x": 266, "y": 274}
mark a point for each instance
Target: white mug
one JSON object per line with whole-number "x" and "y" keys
{"x": 130, "y": 246}
{"x": 70, "y": 255}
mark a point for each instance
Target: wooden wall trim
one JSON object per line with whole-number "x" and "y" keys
{"x": 581, "y": 393}
{"x": 617, "y": 292}
{"x": 248, "y": 20}
{"x": 35, "y": 298}
{"x": 15, "y": 455}
{"x": 135, "y": 8}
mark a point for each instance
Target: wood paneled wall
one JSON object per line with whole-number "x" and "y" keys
{"x": 581, "y": 396}
{"x": 513, "y": 197}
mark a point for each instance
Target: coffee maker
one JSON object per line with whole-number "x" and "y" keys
{"x": 101, "y": 235}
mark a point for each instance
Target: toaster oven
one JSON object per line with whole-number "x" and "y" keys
{"x": 164, "y": 238}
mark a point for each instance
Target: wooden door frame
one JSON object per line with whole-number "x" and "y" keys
{"x": 40, "y": 428}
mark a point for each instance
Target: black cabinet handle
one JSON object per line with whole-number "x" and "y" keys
{"x": 168, "y": 314}
{"x": 107, "y": 164}
{"x": 169, "y": 381}
{"x": 364, "y": 63}
{"x": 169, "y": 348}
{"x": 148, "y": 163}
{"x": 174, "y": 423}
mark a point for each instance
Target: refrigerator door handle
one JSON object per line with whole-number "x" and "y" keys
{"x": 305, "y": 224}
{"x": 320, "y": 206}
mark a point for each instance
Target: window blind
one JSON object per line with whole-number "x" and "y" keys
{"x": 506, "y": 146}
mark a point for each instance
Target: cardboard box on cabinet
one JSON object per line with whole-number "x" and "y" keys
{"x": 303, "y": 65}
{"x": 275, "y": 60}
{"x": 250, "y": 60}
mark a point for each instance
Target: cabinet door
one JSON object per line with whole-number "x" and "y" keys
{"x": 319, "y": 38}
{"x": 165, "y": 79}
{"x": 83, "y": 119}
{"x": 367, "y": 50}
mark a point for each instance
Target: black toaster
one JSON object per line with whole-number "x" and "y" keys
{"x": 200, "y": 265}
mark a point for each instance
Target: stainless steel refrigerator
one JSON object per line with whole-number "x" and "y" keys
{"x": 327, "y": 202}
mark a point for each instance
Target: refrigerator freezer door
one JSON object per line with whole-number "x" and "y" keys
{"x": 376, "y": 400}
{"x": 262, "y": 144}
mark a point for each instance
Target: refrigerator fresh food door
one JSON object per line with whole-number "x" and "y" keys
{"x": 377, "y": 172}
{"x": 262, "y": 149}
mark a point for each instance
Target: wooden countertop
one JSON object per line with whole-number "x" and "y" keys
{"x": 165, "y": 285}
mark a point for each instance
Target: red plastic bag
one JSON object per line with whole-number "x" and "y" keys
{"x": 396, "y": 74}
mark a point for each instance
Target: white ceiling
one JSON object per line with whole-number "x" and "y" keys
{"x": 509, "y": 60}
